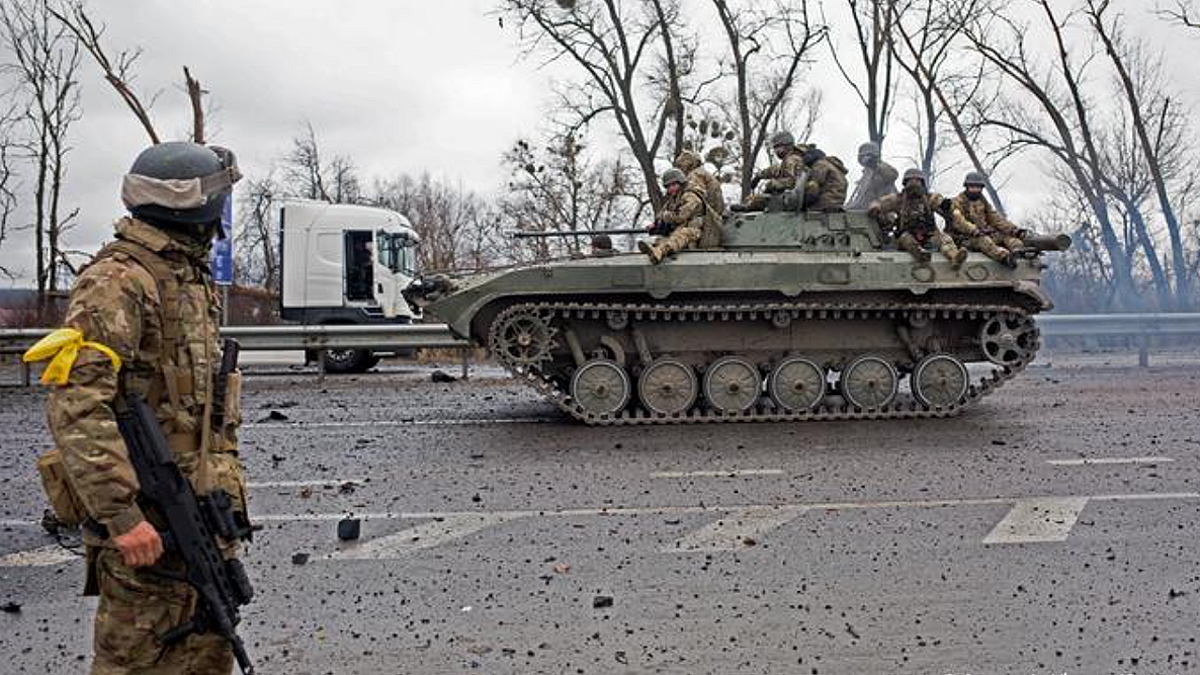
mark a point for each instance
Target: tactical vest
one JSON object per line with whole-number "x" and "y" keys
{"x": 916, "y": 217}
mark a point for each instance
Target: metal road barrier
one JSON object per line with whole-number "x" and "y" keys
{"x": 1143, "y": 327}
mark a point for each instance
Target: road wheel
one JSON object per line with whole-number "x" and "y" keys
{"x": 869, "y": 383}
{"x": 797, "y": 384}
{"x": 940, "y": 381}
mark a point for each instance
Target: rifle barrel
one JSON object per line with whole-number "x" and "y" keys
{"x": 525, "y": 234}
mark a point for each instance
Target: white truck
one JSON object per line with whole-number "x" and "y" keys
{"x": 345, "y": 264}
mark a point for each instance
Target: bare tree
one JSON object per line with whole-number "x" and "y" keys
{"x": 257, "y": 238}
{"x": 45, "y": 61}
{"x": 1183, "y": 12}
{"x": 631, "y": 54}
{"x": 873, "y": 24}
{"x": 307, "y": 174}
{"x": 769, "y": 42}
{"x": 1119, "y": 51}
{"x": 10, "y": 119}
{"x": 940, "y": 24}
{"x": 557, "y": 188}
{"x": 458, "y": 229}
{"x": 1057, "y": 98}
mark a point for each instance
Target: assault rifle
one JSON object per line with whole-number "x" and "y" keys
{"x": 193, "y": 522}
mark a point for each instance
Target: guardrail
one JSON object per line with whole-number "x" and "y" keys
{"x": 1143, "y": 327}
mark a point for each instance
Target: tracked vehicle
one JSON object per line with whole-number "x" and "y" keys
{"x": 797, "y": 316}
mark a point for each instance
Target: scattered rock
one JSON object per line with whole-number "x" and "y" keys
{"x": 349, "y": 529}
{"x": 476, "y": 498}
{"x": 1172, "y": 594}
{"x": 274, "y": 416}
{"x": 276, "y": 459}
{"x": 299, "y": 558}
{"x": 348, "y": 487}
{"x": 11, "y": 608}
{"x": 997, "y": 441}
{"x": 442, "y": 376}
{"x": 305, "y": 492}
{"x": 602, "y": 601}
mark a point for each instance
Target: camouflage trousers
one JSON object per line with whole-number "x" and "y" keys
{"x": 135, "y": 608}
{"x": 682, "y": 237}
{"x": 907, "y": 242}
{"x": 988, "y": 246}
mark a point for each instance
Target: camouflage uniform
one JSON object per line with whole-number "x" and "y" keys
{"x": 995, "y": 237}
{"x": 165, "y": 331}
{"x": 684, "y": 212}
{"x": 780, "y": 177}
{"x": 911, "y": 220}
{"x": 714, "y": 199}
{"x": 876, "y": 182}
{"x": 825, "y": 188}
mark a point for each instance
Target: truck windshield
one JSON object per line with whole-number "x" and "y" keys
{"x": 396, "y": 252}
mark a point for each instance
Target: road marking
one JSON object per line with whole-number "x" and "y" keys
{"x": 734, "y": 473}
{"x": 426, "y": 535}
{"x": 43, "y": 556}
{"x": 736, "y": 530}
{"x": 397, "y": 423}
{"x": 305, "y": 483}
{"x": 1084, "y": 461}
{"x": 1037, "y": 520}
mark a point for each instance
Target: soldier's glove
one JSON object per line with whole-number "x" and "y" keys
{"x": 1022, "y": 233}
{"x": 947, "y": 205}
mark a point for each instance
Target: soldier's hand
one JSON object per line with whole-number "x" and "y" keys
{"x": 140, "y": 546}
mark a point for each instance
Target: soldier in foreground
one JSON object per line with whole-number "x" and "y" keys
{"x": 878, "y": 178}
{"x": 995, "y": 237}
{"x": 825, "y": 184}
{"x": 144, "y": 314}
{"x": 910, "y": 218}
{"x": 780, "y": 177}
{"x": 692, "y": 165}
{"x": 679, "y": 222}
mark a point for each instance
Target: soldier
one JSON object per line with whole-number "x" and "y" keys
{"x": 602, "y": 246}
{"x": 878, "y": 177}
{"x": 910, "y": 216}
{"x": 146, "y": 313}
{"x": 680, "y": 220}
{"x": 997, "y": 238}
{"x": 780, "y": 177}
{"x": 825, "y": 187}
{"x": 690, "y": 163}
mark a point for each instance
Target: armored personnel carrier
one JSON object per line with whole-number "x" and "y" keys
{"x": 796, "y": 316}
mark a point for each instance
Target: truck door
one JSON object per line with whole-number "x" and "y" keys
{"x": 360, "y": 266}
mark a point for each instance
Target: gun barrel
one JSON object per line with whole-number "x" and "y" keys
{"x": 1048, "y": 242}
{"x": 525, "y": 234}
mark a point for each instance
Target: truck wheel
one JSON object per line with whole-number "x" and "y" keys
{"x": 348, "y": 360}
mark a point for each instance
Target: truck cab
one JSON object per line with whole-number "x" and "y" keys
{"x": 345, "y": 264}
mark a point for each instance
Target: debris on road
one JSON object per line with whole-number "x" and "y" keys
{"x": 299, "y": 558}
{"x": 274, "y": 416}
{"x": 349, "y": 529}
{"x": 442, "y": 376}
{"x": 602, "y": 601}
{"x": 11, "y": 608}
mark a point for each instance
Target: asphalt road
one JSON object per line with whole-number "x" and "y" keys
{"x": 1048, "y": 531}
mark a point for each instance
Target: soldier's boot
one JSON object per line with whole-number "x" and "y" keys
{"x": 906, "y": 242}
{"x": 650, "y": 250}
{"x": 957, "y": 256}
{"x": 740, "y": 208}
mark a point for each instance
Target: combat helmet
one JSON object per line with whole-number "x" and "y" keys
{"x": 180, "y": 183}
{"x": 870, "y": 148}
{"x": 673, "y": 175}
{"x": 914, "y": 173}
{"x": 687, "y": 161}
{"x": 975, "y": 178}
{"x": 783, "y": 138}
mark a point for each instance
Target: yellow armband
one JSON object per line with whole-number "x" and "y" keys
{"x": 62, "y": 348}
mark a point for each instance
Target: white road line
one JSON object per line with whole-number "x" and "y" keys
{"x": 304, "y": 483}
{"x": 1037, "y": 520}
{"x": 423, "y": 536}
{"x": 733, "y": 473}
{"x": 43, "y": 556}
{"x": 395, "y": 423}
{"x": 736, "y": 530}
{"x": 1085, "y": 461}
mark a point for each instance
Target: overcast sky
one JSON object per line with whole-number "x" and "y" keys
{"x": 400, "y": 86}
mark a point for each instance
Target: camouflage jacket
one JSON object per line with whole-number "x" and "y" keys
{"x": 707, "y": 183}
{"x": 876, "y": 182}
{"x": 825, "y": 189}
{"x": 117, "y": 301}
{"x": 903, "y": 214}
{"x": 987, "y": 219}
{"x": 685, "y": 208}
{"x": 782, "y": 176}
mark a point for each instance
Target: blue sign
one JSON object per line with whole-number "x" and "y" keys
{"x": 222, "y": 250}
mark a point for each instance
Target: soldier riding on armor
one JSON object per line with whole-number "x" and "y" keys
{"x": 910, "y": 218}
{"x": 680, "y": 222}
{"x": 780, "y": 177}
{"x": 995, "y": 236}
